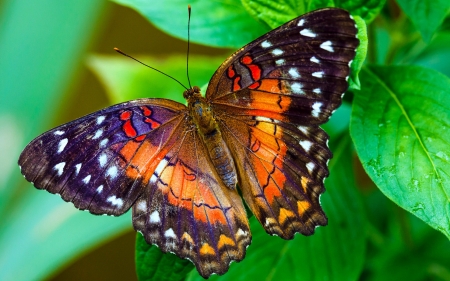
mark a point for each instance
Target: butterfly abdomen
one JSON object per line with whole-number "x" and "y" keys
{"x": 217, "y": 149}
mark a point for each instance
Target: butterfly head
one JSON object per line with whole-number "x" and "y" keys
{"x": 189, "y": 93}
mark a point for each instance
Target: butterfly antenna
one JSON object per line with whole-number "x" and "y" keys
{"x": 189, "y": 37}
{"x": 122, "y": 53}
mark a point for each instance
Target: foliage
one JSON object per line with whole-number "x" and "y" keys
{"x": 393, "y": 127}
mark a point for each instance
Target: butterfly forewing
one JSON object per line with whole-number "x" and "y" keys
{"x": 269, "y": 99}
{"x": 84, "y": 162}
{"x": 295, "y": 73}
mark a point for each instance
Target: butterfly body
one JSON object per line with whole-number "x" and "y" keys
{"x": 207, "y": 127}
{"x": 177, "y": 166}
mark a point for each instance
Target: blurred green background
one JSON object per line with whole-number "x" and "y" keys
{"x": 51, "y": 73}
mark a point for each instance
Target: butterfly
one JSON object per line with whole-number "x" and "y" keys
{"x": 183, "y": 169}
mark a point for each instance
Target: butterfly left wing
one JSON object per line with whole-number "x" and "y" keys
{"x": 83, "y": 160}
{"x": 145, "y": 153}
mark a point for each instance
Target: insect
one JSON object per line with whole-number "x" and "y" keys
{"x": 181, "y": 168}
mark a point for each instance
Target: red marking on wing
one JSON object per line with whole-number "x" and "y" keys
{"x": 153, "y": 124}
{"x": 246, "y": 59}
{"x": 128, "y": 129}
{"x": 147, "y": 111}
{"x": 236, "y": 85}
{"x": 254, "y": 85}
{"x": 255, "y": 71}
{"x": 231, "y": 72}
{"x": 125, "y": 115}
{"x": 140, "y": 138}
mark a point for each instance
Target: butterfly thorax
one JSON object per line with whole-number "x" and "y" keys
{"x": 207, "y": 127}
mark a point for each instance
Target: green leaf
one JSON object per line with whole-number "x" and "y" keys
{"x": 213, "y": 23}
{"x": 427, "y": 15}
{"x": 361, "y": 53}
{"x": 334, "y": 252}
{"x": 366, "y": 9}
{"x": 124, "y": 79}
{"x": 400, "y": 126}
{"x": 436, "y": 54}
{"x": 152, "y": 264}
{"x": 274, "y": 13}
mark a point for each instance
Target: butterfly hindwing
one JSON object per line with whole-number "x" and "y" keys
{"x": 188, "y": 211}
{"x": 84, "y": 162}
{"x": 281, "y": 172}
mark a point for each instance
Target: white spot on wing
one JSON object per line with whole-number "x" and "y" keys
{"x": 294, "y": 73}
{"x": 58, "y": 133}
{"x": 102, "y": 159}
{"x": 62, "y": 144}
{"x": 59, "y": 168}
{"x": 115, "y": 201}
{"x": 103, "y": 142}
{"x": 154, "y": 217}
{"x": 280, "y": 62}
{"x": 297, "y": 88}
{"x": 266, "y": 44}
{"x": 301, "y": 22}
{"x": 310, "y": 166}
{"x": 142, "y": 206}
{"x": 316, "y": 109}
{"x": 327, "y": 46}
{"x": 315, "y": 60}
{"x": 264, "y": 119}
{"x": 98, "y": 134}
{"x": 170, "y": 234}
{"x": 87, "y": 179}
{"x": 161, "y": 166}
{"x": 77, "y": 168}
{"x": 277, "y": 52}
{"x": 318, "y": 74}
{"x": 306, "y": 144}
{"x": 112, "y": 172}
{"x": 240, "y": 233}
{"x": 317, "y": 91}
{"x": 100, "y": 189}
{"x": 100, "y": 119}
{"x": 303, "y": 129}
{"x": 308, "y": 33}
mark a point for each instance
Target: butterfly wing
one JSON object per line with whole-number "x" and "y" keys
{"x": 269, "y": 99}
{"x": 83, "y": 160}
{"x": 187, "y": 211}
